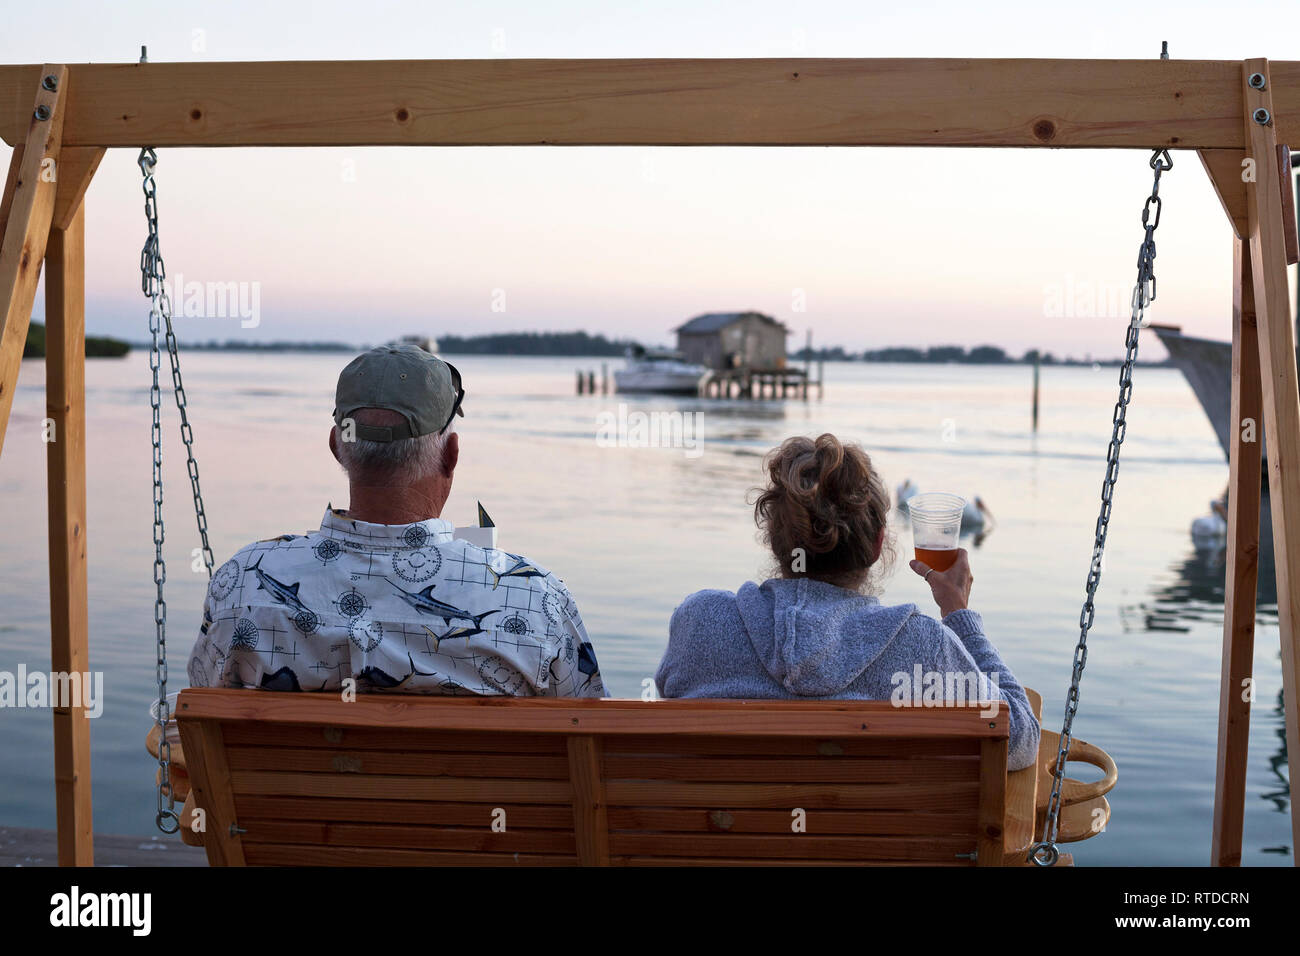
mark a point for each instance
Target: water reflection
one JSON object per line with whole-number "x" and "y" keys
{"x": 1199, "y": 581}
{"x": 1195, "y": 596}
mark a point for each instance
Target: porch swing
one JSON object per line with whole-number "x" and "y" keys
{"x": 304, "y": 779}
{"x": 255, "y": 790}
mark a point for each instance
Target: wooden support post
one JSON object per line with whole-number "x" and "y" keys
{"x": 65, "y": 394}
{"x": 992, "y": 801}
{"x": 1243, "y": 566}
{"x": 1281, "y": 395}
{"x": 65, "y": 406}
{"x": 29, "y": 201}
{"x": 590, "y": 817}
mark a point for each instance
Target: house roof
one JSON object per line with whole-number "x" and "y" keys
{"x": 715, "y": 321}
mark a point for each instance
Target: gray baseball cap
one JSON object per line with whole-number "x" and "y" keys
{"x": 405, "y": 379}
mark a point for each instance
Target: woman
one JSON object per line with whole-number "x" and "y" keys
{"x": 812, "y": 630}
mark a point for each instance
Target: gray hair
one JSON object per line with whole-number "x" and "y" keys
{"x": 402, "y": 461}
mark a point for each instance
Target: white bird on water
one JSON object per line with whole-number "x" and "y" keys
{"x": 1210, "y": 531}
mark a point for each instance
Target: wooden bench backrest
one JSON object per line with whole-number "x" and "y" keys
{"x": 307, "y": 779}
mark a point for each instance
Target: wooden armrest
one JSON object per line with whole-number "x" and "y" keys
{"x": 151, "y": 745}
{"x": 1082, "y": 820}
{"x": 1073, "y": 791}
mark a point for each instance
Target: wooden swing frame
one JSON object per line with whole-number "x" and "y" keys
{"x": 60, "y": 119}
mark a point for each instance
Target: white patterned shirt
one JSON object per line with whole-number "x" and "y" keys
{"x": 403, "y": 608}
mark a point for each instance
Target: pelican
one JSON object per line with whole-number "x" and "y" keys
{"x": 1209, "y": 531}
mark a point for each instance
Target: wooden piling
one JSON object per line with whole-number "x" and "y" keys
{"x": 1037, "y": 358}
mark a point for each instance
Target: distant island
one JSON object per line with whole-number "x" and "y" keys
{"x": 97, "y": 346}
{"x": 533, "y": 343}
{"x": 979, "y": 355}
{"x": 243, "y": 345}
{"x": 586, "y": 344}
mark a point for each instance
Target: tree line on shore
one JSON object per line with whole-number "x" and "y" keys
{"x": 587, "y": 344}
{"x": 979, "y": 355}
{"x": 97, "y": 346}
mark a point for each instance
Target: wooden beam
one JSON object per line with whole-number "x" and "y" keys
{"x": 1243, "y": 565}
{"x": 30, "y": 204}
{"x": 75, "y": 169}
{"x": 1225, "y": 169}
{"x": 747, "y": 718}
{"x": 1281, "y": 394}
{"x": 1185, "y": 104}
{"x": 65, "y": 407}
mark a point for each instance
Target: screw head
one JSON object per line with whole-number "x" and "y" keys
{"x": 1256, "y": 81}
{"x": 1262, "y": 116}
{"x": 42, "y": 112}
{"x": 50, "y": 82}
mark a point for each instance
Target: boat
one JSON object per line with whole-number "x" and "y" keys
{"x": 659, "y": 371}
{"x": 1207, "y": 366}
{"x": 419, "y": 341}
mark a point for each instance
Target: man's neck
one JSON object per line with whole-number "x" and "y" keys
{"x": 385, "y": 506}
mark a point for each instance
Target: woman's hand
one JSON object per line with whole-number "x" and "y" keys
{"x": 951, "y": 588}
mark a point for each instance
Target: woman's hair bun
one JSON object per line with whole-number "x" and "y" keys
{"x": 825, "y": 503}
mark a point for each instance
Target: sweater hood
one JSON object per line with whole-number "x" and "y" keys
{"x": 814, "y": 638}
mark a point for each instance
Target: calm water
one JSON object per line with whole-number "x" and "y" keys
{"x": 633, "y": 530}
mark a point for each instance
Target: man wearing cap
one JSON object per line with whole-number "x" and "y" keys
{"x": 382, "y": 597}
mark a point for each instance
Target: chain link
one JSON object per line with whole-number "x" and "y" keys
{"x": 1046, "y": 852}
{"x": 153, "y": 276}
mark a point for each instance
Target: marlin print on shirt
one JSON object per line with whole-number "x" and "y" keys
{"x": 286, "y": 594}
{"x": 379, "y": 678}
{"x": 425, "y": 603}
{"x": 587, "y": 661}
{"x": 460, "y": 630}
{"x": 522, "y": 568}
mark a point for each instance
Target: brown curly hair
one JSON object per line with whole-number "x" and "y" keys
{"x": 826, "y": 505}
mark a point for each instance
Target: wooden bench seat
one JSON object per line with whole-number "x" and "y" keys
{"x": 307, "y": 779}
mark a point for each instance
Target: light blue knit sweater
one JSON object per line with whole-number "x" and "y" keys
{"x": 790, "y": 638}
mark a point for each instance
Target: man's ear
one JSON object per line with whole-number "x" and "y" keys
{"x": 334, "y": 443}
{"x": 451, "y": 454}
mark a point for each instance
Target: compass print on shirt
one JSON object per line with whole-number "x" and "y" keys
{"x": 327, "y": 550}
{"x": 416, "y": 536}
{"x": 244, "y": 637}
{"x": 367, "y": 635}
{"x": 224, "y": 580}
{"x": 417, "y": 565}
{"x": 516, "y": 625}
{"x": 352, "y": 604}
{"x": 551, "y": 606}
{"x": 500, "y": 676}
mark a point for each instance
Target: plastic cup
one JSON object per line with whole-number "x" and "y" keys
{"x": 172, "y": 729}
{"x": 936, "y": 528}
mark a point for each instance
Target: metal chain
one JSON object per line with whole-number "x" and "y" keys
{"x": 153, "y": 275}
{"x": 1046, "y": 852}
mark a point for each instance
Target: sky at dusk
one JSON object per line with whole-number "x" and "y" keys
{"x": 881, "y": 247}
